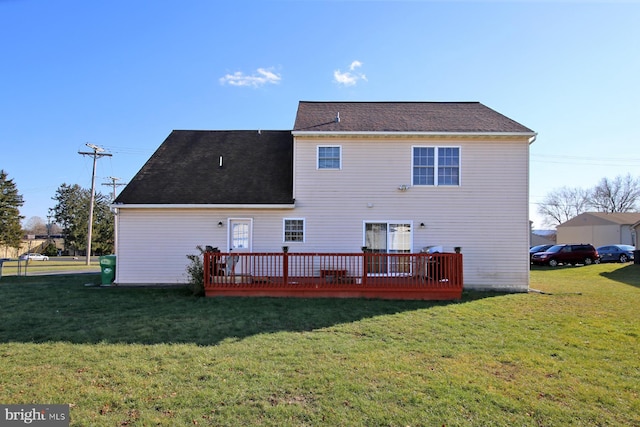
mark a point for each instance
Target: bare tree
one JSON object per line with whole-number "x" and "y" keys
{"x": 621, "y": 194}
{"x": 563, "y": 204}
{"x": 35, "y": 225}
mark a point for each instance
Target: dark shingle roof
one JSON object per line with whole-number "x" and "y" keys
{"x": 471, "y": 117}
{"x": 257, "y": 168}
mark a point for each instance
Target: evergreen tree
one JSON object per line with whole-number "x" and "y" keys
{"x": 72, "y": 214}
{"x": 103, "y": 226}
{"x": 10, "y": 202}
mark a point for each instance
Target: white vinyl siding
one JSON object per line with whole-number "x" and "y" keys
{"x": 487, "y": 215}
{"x": 153, "y": 244}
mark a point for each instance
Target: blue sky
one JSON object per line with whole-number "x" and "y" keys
{"x": 123, "y": 74}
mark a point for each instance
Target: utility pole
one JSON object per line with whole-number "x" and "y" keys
{"x": 96, "y": 153}
{"x": 114, "y": 184}
{"x": 49, "y": 227}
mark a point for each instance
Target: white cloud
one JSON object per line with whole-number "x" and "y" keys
{"x": 351, "y": 77}
{"x": 261, "y": 77}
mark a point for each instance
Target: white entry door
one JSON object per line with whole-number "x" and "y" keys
{"x": 239, "y": 242}
{"x": 240, "y": 239}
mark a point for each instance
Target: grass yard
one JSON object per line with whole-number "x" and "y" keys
{"x": 55, "y": 264}
{"x": 146, "y": 357}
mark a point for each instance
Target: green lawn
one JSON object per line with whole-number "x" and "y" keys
{"x": 55, "y": 264}
{"x": 146, "y": 357}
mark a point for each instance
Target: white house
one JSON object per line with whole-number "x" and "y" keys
{"x": 392, "y": 176}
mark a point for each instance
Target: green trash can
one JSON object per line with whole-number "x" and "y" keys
{"x": 108, "y": 267}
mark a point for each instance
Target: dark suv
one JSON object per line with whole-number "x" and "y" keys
{"x": 567, "y": 254}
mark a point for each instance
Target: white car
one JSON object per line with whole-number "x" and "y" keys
{"x": 35, "y": 257}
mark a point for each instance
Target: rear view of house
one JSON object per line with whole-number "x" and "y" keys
{"x": 394, "y": 177}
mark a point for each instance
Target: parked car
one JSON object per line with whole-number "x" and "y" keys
{"x": 616, "y": 253}
{"x": 536, "y": 249}
{"x": 567, "y": 254}
{"x": 34, "y": 257}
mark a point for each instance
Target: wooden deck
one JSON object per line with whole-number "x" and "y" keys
{"x": 323, "y": 275}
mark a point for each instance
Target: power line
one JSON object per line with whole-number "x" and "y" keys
{"x": 585, "y": 160}
{"x": 585, "y": 157}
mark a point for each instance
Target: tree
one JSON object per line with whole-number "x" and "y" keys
{"x": 621, "y": 194}
{"x": 103, "y": 225}
{"x": 72, "y": 214}
{"x": 35, "y": 225}
{"x": 563, "y": 204}
{"x": 10, "y": 202}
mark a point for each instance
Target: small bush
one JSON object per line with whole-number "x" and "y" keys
{"x": 50, "y": 250}
{"x": 195, "y": 273}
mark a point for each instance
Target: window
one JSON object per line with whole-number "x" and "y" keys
{"x": 329, "y": 157}
{"x": 293, "y": 230}
{"x": 423, "y": 166}
{"x": 239, "y": 235}
{"x": 436, "y": 166}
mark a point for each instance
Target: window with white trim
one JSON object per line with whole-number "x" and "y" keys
{"x": 437, "y": 166}
{"x": 294, "y": 230}
{"x": 329, "y": 157}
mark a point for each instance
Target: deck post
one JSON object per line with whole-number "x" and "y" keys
{"x": 285, "y": 264}
{"x": 364, "y": 266}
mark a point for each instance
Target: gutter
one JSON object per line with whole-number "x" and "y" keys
{"x": 391, "y": 134}
{"x": 202, "y": 206}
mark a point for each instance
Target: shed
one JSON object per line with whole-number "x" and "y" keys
{"x": 600, "y": 228}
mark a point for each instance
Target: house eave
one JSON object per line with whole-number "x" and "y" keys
{"x": 415, "y": 134}
{"x": 202, "y": 206}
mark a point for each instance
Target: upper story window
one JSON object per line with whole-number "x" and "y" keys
{"x": 294, "y": 230}
{"x": 329, "y": 157}
{"x": 436, "y": 166}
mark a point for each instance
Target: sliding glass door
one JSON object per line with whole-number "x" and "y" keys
{"x": 390, "y": 237}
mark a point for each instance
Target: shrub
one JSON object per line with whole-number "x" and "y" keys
{"x": 50, "y": 250}
{"x": 195, "y": 273}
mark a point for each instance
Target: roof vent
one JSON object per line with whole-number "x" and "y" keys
{"x": 338, "y": 117}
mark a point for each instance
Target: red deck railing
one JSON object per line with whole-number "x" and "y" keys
{"x": 360, "y": 275}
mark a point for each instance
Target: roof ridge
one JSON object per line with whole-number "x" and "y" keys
{"x": 390, "y": 102}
